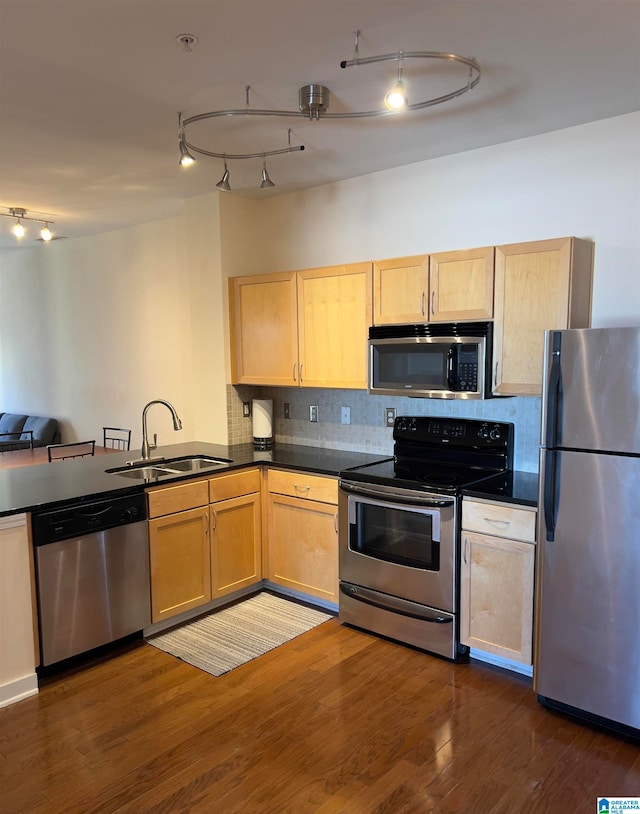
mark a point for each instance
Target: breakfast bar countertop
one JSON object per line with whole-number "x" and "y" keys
{"x": 34, "y": 488}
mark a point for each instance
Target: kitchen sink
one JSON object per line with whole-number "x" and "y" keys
{"x": 192, "y": 464}
{"x": 170, "y": 466}
{"x": 139, "y": 472}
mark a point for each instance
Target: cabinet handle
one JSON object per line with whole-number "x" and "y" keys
{"x": 335, "y": 522}
{"x": 301, "y": 366}
{"x": 495, "y": 522}
{"x": 293, "y": 372}
{"x": 304, "y": 489}
{"x": 466, "y": 548}
{"x": 433, "y": 302}
{"x": 422, "y": 305}
{"x": 495, "y": 375}
{"x": 214, "y": 519}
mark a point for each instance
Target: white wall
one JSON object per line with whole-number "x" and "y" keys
{"x": 97, "y": 327}
{"x": 105, "y": 324}
{"x": 582, "y": 181}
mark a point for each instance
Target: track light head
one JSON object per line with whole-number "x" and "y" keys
{"x": 396, "y": 99}
{"x": 223, "y": 183}
{"x": 266, "y": 181}
{"x": 186, "y": 159}
{"x": 18, "y": 229}
{"x": 45, "y": 232}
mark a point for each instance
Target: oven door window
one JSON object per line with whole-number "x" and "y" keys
{"x": 395, "y": 533}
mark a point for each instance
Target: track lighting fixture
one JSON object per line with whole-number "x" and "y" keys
{"x": 186, "y": 159}
{"x": 396, "y": 99}
{"x": 223, "y": 183}
{"x": 266, "y": 181}
{"x": 313, "y": 103}
{"x": 19, "y": 229}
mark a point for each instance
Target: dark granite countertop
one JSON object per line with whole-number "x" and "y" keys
{"x": 522, "y": 488}
{"x": 32, "y": 488}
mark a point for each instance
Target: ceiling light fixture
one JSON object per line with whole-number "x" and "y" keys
{"x": 18, "y": 228}
{"x": 266, "y": 181}
{"x": 223, "y": 183}
{"x": 396, "y": 99}
{"x": 313, "y": 103}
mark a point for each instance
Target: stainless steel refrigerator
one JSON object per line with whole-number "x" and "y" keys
{"x": 587, "y": 656}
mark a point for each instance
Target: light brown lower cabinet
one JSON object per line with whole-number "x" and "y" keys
{"x": 303, "y": 533}
{"x": 179, "y": 556}
{"x": 199, "y": 551}
{"x": 235, "y": 544}
{"x": 497, "y": 579}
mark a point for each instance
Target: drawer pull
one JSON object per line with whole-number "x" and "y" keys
{"x": 305, "y": 489}
{"x": 495, "y": 522}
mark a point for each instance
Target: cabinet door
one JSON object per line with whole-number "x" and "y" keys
{"x": 461, "y": 285}
{"x": 539, "y": 286}
{"x": 180, "y": 562}
{"x": 496, "y": 596}
{"x": 303, "y": 546}
{"x": 264, "y": 334}
{"x": 236, "y": 559}
{"x": 334, "y": 314}
{"x": 400, "y": 290}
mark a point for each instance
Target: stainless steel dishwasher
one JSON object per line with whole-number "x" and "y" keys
{"x": 92, "y": 574}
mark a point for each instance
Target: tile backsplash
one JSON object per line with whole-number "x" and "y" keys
{"x": 367, "y": 431}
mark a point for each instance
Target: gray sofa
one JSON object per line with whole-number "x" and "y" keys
{"x": 16, "y": 431}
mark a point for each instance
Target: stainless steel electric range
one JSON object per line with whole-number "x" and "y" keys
{"x": 399, "y": 528}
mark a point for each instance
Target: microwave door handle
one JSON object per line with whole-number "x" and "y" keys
{"x": 451, "y": 368}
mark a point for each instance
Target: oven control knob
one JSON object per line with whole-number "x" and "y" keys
{"x": 495, "y": 434}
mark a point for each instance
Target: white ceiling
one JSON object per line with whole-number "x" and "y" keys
{"x": 90, "y": 91}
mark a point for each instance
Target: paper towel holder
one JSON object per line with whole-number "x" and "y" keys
{"x": 262, "y": 415}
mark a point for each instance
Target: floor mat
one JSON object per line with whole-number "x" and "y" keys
{"x": 228, "y": 638}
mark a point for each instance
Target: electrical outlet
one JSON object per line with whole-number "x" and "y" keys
{"x": 246, "y": 409}
{"x": 313, "y": 412}
{"x": 345, "y": 415}
{"x": 287, "y": 410}
{"x": 389, "y": 416}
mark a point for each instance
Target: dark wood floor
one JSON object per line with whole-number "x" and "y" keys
{"x": 334, "y": 721}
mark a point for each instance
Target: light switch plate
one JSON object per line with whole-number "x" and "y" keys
{"x": 313, "y": 412}
{"x": 345, "y": 415}
{"x": 246, "y": 409}
{"x": 287, "y": 409}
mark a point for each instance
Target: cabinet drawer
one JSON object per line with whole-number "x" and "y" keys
{"x": 178, "y": 498}
{"x": 499, "y": 520}
{"x": 235, "y": 484}
{"x": 303, "y": 485}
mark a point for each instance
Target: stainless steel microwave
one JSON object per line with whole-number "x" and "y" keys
{"x": 435, "y": 360}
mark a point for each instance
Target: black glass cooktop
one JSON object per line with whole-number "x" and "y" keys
{"x": 423, "y": 475}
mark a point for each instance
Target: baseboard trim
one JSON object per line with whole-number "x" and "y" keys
{"x": 18, "y": 689}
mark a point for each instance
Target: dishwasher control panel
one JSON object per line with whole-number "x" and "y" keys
{"x": 77, "y": 519}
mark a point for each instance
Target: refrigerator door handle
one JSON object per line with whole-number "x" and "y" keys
{"x": 554, "y": 394}
{"x": 550, "y": 497}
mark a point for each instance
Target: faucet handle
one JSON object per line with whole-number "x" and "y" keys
{"x": 155, "y": 441}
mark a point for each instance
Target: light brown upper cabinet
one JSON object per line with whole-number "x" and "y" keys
{"x": 442, "y": 287}
{"x": 543, "y": 285}
{"x": 302, "y": 329}
{"x": 264, "y": 329}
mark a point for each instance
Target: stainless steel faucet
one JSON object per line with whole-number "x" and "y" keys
{"x": 177, "y": 425}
